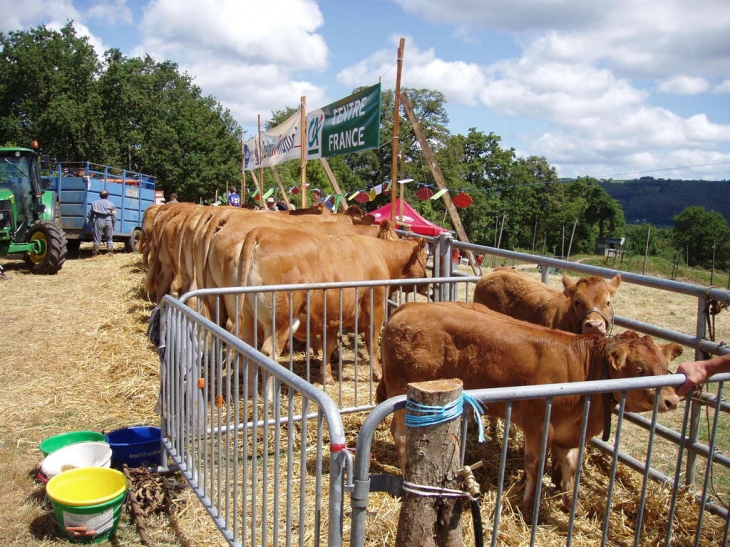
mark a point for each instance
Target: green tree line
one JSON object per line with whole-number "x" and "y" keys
{"x": 147, "y": 116}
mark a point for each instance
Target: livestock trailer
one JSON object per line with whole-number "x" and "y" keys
{"x": 78, "y": 185}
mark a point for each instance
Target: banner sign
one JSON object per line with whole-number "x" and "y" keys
{"x": 349, "y": 125}
{"x": 279, "y": 144}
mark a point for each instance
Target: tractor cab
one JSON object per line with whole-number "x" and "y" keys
{"x": 29, "y": 213}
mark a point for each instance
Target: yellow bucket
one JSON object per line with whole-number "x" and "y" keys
{"x": 88, "y": 502}
{"x": 86, "y": 486}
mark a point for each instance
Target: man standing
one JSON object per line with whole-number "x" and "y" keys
{"x": 103, "y": 217}
{"x": 234, "y": 199}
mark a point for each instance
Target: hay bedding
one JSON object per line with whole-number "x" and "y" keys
{"x": 75, "y": 356}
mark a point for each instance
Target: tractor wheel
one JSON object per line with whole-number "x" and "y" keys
{"x": 53, "y": 243}
{"x": 131, "y": 245}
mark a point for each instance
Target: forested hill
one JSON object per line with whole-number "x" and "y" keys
{"x": 657, "y": 201}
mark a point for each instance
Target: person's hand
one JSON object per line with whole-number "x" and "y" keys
{"x": 695, "y": 373}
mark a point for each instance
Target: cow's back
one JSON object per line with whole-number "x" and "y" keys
{"x": 520, "y": 296}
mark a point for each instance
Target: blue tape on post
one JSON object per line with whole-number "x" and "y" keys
{"x": 433, "y": 415}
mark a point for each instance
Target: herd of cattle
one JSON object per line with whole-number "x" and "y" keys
{"x": 517, "y": 331}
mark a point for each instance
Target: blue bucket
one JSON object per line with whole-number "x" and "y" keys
{"x": 137, "y": 446}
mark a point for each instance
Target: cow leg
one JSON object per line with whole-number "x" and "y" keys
{"x": 567, "y": 462}
{"x": 398, "y": 431}
{"x": 373, "y": 346}
{"x": 533, "y": 438}
{"x": 326, "y": 369}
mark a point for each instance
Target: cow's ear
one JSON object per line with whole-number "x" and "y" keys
{"x": 568, "y": 283}
{"x": 617, "y": 356}
{"x": 671, "y": 351}
{"x": 613, "y": 284}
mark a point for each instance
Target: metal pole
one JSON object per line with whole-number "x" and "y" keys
{"x": 646, "y": 250}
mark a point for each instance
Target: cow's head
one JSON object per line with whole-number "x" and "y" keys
{"x": 590, "y": 302}
{"x": 632, "y": 356}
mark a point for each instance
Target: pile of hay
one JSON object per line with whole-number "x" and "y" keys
{"x": 76, "y": 356}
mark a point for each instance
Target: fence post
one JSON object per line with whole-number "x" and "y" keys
{"x": 428, "y": 518}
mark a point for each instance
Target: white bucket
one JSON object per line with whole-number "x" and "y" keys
{"x": 85, "y": 454}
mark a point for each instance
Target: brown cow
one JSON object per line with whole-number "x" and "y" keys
{"x": 284, "y": 256}
{"x": 485, "y": 349}
{"x": 583, "y": 307}
{"x": 220, "y": 266}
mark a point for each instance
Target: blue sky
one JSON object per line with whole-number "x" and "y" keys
{"x": 613, "y": 89}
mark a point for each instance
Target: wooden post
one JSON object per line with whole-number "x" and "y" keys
{"x": 303, "y": 146}
{"x": 277, "y": 178}
{"x": 396, "y": 131}
{"x": 260, "y": 182}
{"x": 432, "y": 459}
{"x": 438, "y": 177}
{"x": 333, "y": 182}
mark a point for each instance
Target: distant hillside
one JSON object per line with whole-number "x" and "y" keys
{"x": 657, "y": 201}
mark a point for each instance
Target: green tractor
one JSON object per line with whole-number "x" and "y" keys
{"x": 29, "y": 212}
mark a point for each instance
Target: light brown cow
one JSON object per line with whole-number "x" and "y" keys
{"x": 485, "y": 349}
{"x": 583, "y": 307}
{"x": 290, "y": 256}
{"x": 160, "y": 246}
{"x": 220, "y": 266}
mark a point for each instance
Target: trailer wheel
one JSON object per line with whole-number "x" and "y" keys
{"x": 131, "y": 245}
{"x": 53, "y": 248}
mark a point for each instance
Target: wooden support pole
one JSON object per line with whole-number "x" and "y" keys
{"x": 432, "y": 459}
{"x": 303, "y": 147}
{"x": 333, "y": 182}
{"x": 396, "y": 131}
{"x": 277, "y": 178}
{"x": 438, "y": 177}
{"x": 260, "y": 182}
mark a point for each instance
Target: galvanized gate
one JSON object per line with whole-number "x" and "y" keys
{"x": 263, "y": 449}
{"x": 251, "y": 435}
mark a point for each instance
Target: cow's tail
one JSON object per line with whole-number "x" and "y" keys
{"x": 245, "y": 259}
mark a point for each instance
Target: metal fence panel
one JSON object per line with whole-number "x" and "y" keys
{"x": 252, "y": 439}
{"x": 250, "y": 434}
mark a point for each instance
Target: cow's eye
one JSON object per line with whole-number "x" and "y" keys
{"x": 639, "y": 371}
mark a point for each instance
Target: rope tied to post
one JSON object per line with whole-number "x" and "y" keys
{"x": 434, "y": 415}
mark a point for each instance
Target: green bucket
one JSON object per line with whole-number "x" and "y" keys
{"x": 51, "y": 444}
{"x": 88, "y": 502}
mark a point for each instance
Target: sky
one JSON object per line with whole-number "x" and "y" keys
{"x": 617, "y": 89}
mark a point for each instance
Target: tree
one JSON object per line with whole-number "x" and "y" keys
{"x": 697, "y": 231}
{"x": 48, "y": 92}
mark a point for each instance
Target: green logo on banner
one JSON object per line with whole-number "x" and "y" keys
{"x": 349, "y": 125}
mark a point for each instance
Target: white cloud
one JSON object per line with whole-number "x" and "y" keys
{"x": 276, "y": 31}
{"x": 632, "y": 37}
{"x": 684, "y": 85}
{"x": 32, "y": 13}
{"x": 459, "y": 81}
{"x": 516, "y": 15}
{"x": 112, "y": 12}
{"x": 723, "y": 87}
{"x": 246, "y": 55}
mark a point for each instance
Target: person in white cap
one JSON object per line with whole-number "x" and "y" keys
{"x": 271, "y": 204}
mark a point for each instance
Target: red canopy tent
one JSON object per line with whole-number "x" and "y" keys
{"x": 418, "y": 224}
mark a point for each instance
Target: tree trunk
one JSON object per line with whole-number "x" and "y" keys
{"x": 432, "y": 459}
